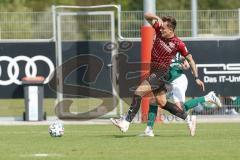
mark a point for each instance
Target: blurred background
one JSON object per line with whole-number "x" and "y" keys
{"x": 78, "y": 62}
{"x": 32, "y": 28}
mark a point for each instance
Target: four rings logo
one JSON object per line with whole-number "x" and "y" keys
{"x": 31, "y": 69}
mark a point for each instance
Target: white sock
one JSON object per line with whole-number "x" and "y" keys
{"x": 206, "y": 98}
{"x": 149, "y": 128}
{"x": 188, "y": 119}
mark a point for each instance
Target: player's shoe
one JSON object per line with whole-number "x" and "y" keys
{"x": 121, "y": 123}
{"x": 211, "y": 97}
{"x": 192, "y": 125}
{"x": 149, "y": 132}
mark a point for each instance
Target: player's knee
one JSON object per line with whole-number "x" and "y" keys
{"x": 161, "y": 101}
{"x": 139, "y": 92}
{"x": 143, "y": 89}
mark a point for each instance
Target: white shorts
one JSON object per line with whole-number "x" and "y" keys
{"x": 178, "y": 89}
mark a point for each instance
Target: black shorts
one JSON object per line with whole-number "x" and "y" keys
{"x": 157, "y": 79}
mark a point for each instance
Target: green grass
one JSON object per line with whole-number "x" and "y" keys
{"x": 105, "y": 142}
{"x": 16, "y": 107}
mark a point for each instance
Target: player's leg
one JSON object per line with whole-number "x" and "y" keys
{"x": 178, "y": 95}
{"x": 169, "y": 106}
{"x": 173, "y": 95}
{"x": 152, "y": 113}
{"x": 153, "y": 108}
{"x": 143, "y": 89}
{"x": 124, "y": 122}
{"x": 192, "y": 103}
{"x": 210, "y": 97}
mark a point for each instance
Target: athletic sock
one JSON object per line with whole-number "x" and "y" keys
{"x": 193, "y": 103}
{"x": 152, "y": 113}
{"x": 188, "y": 119}
{"x": 175, "y": 110}
{"x": 132, "y": 111}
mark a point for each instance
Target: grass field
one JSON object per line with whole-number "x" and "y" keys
{"x": 105, "y": 142}
{"x": 16, "y": 107}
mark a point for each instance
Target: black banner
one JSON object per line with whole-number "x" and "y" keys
{"x": 217, "y": 61}
{"x": 14, "y": 58}
{"x": 218, "y": 66}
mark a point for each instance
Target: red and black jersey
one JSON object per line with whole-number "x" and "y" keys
{"x": 164, "y": 50}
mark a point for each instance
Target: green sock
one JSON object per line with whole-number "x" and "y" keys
{"x": 193, "y": 103}
{"x": 152, "y": 114}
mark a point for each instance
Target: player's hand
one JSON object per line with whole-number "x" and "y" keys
{"x": 160, "y": 22}
{"x": 200, "y": 84}
{"x": 185, "y": 65}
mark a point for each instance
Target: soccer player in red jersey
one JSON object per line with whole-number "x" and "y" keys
{"x": 165, "y": 47}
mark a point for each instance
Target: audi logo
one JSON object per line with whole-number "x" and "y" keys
{"x": 31, "y": 70}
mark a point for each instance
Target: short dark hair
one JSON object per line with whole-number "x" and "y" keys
{"x": 172, "y": 23}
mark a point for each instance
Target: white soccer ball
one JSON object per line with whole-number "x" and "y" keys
{"x": 56, "y": 129}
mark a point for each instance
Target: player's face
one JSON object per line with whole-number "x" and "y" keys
{"x": 166, "y": 31}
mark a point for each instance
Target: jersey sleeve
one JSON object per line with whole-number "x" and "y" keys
{"x": 183, "y": 49}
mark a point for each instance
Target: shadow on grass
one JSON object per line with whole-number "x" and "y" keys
{"x": 172, "y": 135}
{"x": 124, "y": 136}
{"x": 142, "y": 136}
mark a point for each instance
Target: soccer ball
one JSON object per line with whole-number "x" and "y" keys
{"x": 56, "y": 129}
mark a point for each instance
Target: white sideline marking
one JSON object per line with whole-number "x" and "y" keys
{"x": 41, "y": 155}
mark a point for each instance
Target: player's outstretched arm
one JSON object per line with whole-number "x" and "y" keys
{"x": 151, "y": 18}
{"x": 195, "y": 71}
